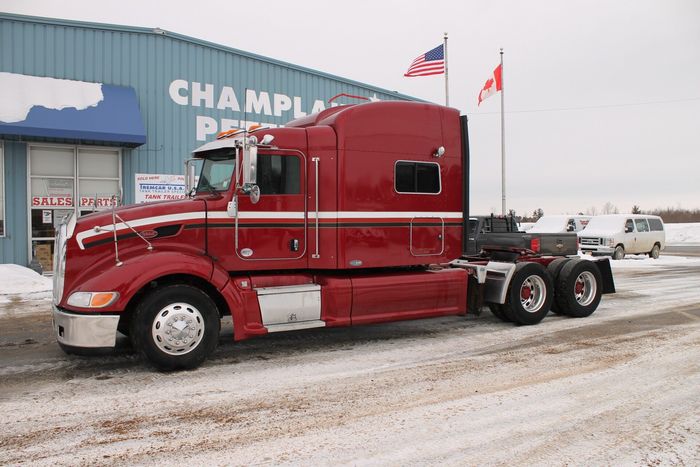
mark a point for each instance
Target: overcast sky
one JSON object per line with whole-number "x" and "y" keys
{"x": 602, "y": 97}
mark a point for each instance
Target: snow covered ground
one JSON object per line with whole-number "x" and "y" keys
{"x": 683, "y": 234}
{"x": 617, "y": 388}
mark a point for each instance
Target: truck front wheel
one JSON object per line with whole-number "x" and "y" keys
{"x": 175, "y": 327}
{"x": 529, "y": 296}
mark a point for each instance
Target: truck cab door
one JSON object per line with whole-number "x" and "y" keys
{"x": 274, "y": 228}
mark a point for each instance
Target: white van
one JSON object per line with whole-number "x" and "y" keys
{"x": 618, "y": 234}
{"x": 560, "y": 223}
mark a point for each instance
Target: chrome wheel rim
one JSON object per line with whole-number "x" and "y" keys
{"x": 532, "y": 293}
{"x": 585, "y": 288}
{"x": 178, "y": 328}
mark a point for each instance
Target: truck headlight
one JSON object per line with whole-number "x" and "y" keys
{"x": 92, "y": 299}
{"x": 609, "y": 242}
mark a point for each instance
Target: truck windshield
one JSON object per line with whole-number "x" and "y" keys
{"x": 217, "y": 171}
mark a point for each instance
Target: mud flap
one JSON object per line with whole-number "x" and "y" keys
{"x": 606, "y": 274}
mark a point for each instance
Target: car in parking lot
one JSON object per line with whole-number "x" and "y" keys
{"x": 620, "y": 234}
{"x": 560, "y": 223}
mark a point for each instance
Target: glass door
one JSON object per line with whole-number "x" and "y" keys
{"x": 65, "y": 180}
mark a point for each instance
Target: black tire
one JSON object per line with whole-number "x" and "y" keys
{"x": 497, "y": 311}
{"x": 529, "y": 280}
{"x": 619, "y": 252}
{"x": 553, "y": 269}
{"x": 655, "y": 251}
{"x": 175, "y": 327}
{"x": 579, "y": 288}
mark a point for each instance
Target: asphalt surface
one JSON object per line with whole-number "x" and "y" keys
{"x": 682, "y": 250}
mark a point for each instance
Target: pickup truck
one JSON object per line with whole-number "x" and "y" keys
{"x": 502, "y": 233}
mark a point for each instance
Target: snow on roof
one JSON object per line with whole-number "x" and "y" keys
{"x": 19, "y": 93}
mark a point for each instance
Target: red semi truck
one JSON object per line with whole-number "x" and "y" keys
{"x": 353, "y": 215}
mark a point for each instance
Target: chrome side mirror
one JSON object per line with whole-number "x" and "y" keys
{"x": 254, "y": 194}
{"x": 250, "y": 165}
{"x": 190, "y": 176}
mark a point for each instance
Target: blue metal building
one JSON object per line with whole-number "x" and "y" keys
{"x": 88, "y": 111}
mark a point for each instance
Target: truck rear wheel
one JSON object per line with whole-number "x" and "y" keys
{"x": 579, "y": 288}
{"x": 175, "y": 327}
{"x": 497, "y": 311}
{"x": 530, "y": 294}
{"x": 553, "y": 269}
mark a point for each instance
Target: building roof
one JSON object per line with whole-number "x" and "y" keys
{"x": 192, "y": 40}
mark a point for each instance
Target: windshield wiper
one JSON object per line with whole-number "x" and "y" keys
{"x": 210, "y": 189}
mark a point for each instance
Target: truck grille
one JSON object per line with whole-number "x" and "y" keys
{"x": 589, "y": 241}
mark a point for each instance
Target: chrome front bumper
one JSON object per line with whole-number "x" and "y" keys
{"x": 599, "y": 249}
{"x": 79, "y": 330}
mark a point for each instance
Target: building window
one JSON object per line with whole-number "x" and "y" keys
{"x": 67, "y": 180}
{"x": 417, "y": 177}
{"x": 2, "y": 191}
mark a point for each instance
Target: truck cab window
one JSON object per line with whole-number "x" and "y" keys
{"x": 278, "y": 175}
{"x": 417, "y": 177}
{"x": 217, "y": 171}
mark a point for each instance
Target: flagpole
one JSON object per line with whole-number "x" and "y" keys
{"x": 447, "y": 91}
{"x": 503, "y": 142}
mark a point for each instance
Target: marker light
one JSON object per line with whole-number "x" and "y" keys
{"x": 92, "y": 299}
{"x": 228, "y": 133}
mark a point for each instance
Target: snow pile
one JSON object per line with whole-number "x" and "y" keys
{"x": 19, "y": 93}
{"x": 685, "y": 234}
{"x": 18, "y": 283}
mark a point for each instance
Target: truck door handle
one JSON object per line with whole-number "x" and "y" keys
{"x": 294, "y": 245}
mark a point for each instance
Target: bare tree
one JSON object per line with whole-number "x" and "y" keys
{"x": 609, "y": 208}
{"x": 636, "y": 209}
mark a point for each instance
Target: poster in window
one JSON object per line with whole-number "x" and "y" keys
{"x": 159, "y": 187}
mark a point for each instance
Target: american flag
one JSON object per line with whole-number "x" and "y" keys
{"x": 429, "y": 63}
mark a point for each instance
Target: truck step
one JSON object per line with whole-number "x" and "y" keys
{"x": 295, "y": 326}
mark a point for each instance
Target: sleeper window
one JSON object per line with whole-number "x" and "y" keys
{"x": 417, "y": 177}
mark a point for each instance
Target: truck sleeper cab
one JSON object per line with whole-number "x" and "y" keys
{"x": 350, "y": 216}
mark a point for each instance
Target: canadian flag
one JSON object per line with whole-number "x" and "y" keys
{"x": 492, "y": 85}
